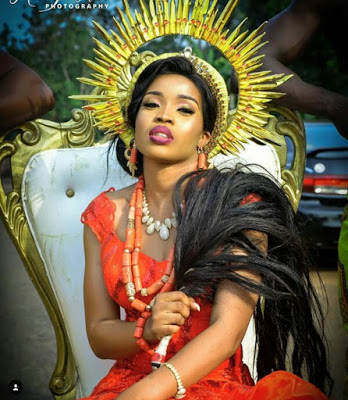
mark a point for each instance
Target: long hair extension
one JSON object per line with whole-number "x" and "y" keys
{"x": 212, "y": 221}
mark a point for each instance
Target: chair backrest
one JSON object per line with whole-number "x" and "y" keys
{"x": 57, "y": 169}
{"x": 57, "y": 186}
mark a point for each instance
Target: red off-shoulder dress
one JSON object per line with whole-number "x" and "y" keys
{"x": 231, "y": 380}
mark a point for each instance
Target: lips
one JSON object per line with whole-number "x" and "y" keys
{"x": 161, "y": 135}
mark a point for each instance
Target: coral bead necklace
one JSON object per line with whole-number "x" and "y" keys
{"x": 130, "y": 267}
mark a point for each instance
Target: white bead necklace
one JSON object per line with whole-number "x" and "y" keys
{"x": 157, "y": 226}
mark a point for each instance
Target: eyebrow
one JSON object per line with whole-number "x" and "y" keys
{"x": 180, "y": 96}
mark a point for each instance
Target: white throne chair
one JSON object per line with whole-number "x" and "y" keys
{"x": 57, "y": 169}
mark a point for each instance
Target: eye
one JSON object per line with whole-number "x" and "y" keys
{"x": 186, "y": 110}
{"x": 150, "y": 104}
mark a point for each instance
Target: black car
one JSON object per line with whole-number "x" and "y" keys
{"x": 325, "y": 185}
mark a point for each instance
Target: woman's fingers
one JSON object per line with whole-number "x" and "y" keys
{"x": 169, "y": 312}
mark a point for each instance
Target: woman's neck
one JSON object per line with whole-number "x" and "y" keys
{"x": 160, "y": 180}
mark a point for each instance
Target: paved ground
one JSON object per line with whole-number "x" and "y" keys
{"x": 27, "y": 341}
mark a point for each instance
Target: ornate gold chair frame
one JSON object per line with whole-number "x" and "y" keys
{"x": 34, "y": 137}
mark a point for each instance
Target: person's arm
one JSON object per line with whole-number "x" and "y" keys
{"x": 232, "y": 310}
{"x": 111, "y": 338}
{"x": 288, "y": 33}
{"x": 24, "y": 96}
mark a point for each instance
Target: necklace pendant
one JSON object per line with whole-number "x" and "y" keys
{"x": 157, "y": 225}
{"x": 150, "y": 229}
{"x": 164, "y": 232}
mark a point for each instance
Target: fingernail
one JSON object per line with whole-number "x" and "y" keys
{"x": 198, "y": 308}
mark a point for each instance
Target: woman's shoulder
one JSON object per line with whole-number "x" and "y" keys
{"x": 121, "y": 197}
{"x": 104, "y": 211}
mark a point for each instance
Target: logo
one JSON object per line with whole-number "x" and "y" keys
{"x": 48, "y": 5}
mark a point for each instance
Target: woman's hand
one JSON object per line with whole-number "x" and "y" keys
{"x": 169, "y": 312}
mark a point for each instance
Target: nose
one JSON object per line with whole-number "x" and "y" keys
{"x": 164, "y": 116}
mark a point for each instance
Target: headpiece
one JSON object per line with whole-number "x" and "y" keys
{"x": 115, "y": 82}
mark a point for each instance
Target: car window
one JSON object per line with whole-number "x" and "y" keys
{"x": 323, "y": 135}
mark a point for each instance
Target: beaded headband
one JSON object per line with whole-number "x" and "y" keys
{"x": 115, "y": 83}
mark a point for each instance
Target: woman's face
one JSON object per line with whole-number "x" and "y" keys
{"x": 169, "y": 123}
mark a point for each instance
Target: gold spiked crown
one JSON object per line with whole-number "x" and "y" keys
{"x": 115, "y": 83}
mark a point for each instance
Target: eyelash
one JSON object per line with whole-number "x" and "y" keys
{"x": 185, "y": 110}
{"x": 150, "y": 104}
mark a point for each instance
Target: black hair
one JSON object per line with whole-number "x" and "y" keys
{"x": 172, "y": 65}
{"x": 212, "y": 220}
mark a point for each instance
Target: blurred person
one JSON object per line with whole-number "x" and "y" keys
{"x": 288, "y": 34}
{"x": 24, "y": 96}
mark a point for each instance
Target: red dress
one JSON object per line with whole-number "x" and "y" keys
{"x": 231, "y": 380}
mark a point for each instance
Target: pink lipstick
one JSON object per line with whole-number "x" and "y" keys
{"x": 161, "y": 135}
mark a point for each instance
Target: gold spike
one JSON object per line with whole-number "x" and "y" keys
{"x": 172, "y": 17}
{"x": 127, "y": 45}
{"x": 166, "y": 17}
{"x": 208, "y": 30}
{"x": 211, "y": 11}
{"x": 111, "y": 54}
{"x": 97, "y": 67}
{"x": 283, "y": 80}
{"x": 103, "y": 31}
{"x": 252, "y": 75}
{"x": 147, "y": 19}
{"x": 185, "y": 17}
{"x": 256, "y": 106}
{"x": 248, "y": 63}
{"x": 179, "y": 16}
{"x": 231, "y": 51}
{"x": 112, "y": 67}
{"x": 154, "y": 17}
{"x": 201, "y": 18}
{"x": 132, "y": 22}
{"x": 253, "y": 68}
{"x": 102, "y": 78}
{"x": 221, "y": 39}
{"x": 232, "y": 36}
{"x": 160, "y": 16}
{"x": 117, "y": 38}
{"x": 260, "y": 80}
{"x": 129, "y": 13}
{"x": 253, "y": 35}
{"x": 225, "y": 15}
{"x": 142, "y": 29}
{"x": 118, "y": 48}
{"x": 132, "y": 38}
{"x": 144, "y": 9}
{"x": 93, "y": 82}
{"x": 263, "y": 94}
{"x": 107, "y": 59}
{"x": 254, "y": 120}
{"x": 245, "y": 47}
{"x": 87, "y": 97}
{"x": 192, "y": 23}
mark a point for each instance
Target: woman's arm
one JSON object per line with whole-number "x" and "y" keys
{"x": 109, "y": 337}
{"x": 232, "y": 311}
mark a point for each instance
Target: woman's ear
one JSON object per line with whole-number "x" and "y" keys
{"x": 205, "y": 137}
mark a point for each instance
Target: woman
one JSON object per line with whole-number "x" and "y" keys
{"x": 220, "y": 258}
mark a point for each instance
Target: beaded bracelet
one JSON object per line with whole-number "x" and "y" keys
{"x": 181, "y": 393}
{"x": 138, "y": 333}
